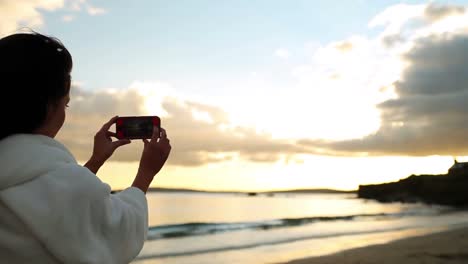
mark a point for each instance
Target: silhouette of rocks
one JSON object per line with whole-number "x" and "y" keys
{"x": 445, "y": 189}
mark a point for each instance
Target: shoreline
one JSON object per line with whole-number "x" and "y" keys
{"x": 450, "y": 245}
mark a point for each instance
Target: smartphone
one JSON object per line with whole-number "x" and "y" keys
{"x": 136, "y": 127}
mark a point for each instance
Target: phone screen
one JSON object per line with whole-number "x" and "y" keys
{"x": 136, "y": 127}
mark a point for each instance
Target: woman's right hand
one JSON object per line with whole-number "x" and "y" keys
{"x": 155, "y": 153}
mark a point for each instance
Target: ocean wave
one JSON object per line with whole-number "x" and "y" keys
{"x": 198, "y": 229}
{"x": 267, "y": 243}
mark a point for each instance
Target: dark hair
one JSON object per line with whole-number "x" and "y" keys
{"x": 34, "y": 74}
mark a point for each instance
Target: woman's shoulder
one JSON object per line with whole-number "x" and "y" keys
{"x": 24, "y": 157}
{"x": 27, "y": 143}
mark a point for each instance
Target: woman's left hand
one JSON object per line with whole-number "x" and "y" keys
{"x": 104, "y": 147}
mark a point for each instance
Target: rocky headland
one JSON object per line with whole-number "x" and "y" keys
{"x": 444, "y": 189}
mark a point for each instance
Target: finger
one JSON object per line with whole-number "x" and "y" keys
{"x": 164, "y": 140}
{"x": 119, "y": 143}
{"x": 145, "y": 141}
{"x": 156, "y": 133}
{"x": 163, "y": 133}
{"x": 167, "y": 151}
{"x": 109, "y": 123}
{"x": 165, "y": 145}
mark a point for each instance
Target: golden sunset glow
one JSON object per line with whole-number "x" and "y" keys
{"x": 309, "y": 172}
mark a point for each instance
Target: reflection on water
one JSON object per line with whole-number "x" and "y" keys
{"x": 177, "y": 208}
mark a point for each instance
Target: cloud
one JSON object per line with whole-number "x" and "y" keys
{"x": 428, "y": 114}
{"x": 394, "y": 18}
{"x": 94, "y": 11}
{"x": 282, "y": 53}
{"x": 392, "y": 40}
{"x": 68, "y": 18}
{"x": 434, "y": 12}
{"x": 196, "y": 141}
{"x": 79, "y": 5}
{"x": 344, "y": 46}
{"x": 405, "y": 23}
{"x": 27, "y": 13}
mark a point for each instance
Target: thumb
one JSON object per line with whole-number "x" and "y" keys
{"x": 121, "y": 142}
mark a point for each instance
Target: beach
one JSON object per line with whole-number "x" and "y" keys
{"x": 442, "y": 247}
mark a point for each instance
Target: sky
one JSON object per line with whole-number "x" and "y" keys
{"x": 266, "y": 94}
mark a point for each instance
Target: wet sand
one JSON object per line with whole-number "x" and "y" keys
{"x": 449, "y": 247}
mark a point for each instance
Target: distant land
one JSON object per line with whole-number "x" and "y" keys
{"x": 444, "y": 189}
{"x": 250, "y": 193}
{"x": 310, "y": 191}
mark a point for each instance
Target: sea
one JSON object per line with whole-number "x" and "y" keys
{"x": 228, "y": 228}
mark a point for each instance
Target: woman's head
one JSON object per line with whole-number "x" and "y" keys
{"x": 34, "y": 83}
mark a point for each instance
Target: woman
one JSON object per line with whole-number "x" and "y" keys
{"x": 53, "y": 210}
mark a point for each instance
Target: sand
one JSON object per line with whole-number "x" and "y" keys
{"x": 449, "y": 247}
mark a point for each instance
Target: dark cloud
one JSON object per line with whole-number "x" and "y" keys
{"x": 392, "y": 40}
{"x": 430, "y": 114}
{"x": 435, "y": 12}
{"x": 438, "y": 66}
{"x": 194, "y": 142}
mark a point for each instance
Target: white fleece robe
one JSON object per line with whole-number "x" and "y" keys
{"x": 52, "y": 210}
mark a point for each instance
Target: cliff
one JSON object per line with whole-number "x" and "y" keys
{"x": 445, "y": 189}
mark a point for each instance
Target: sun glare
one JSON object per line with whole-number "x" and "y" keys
{"x": 154, "y": 94}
